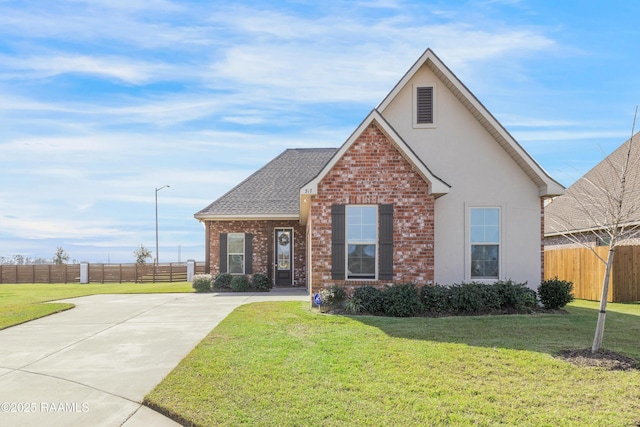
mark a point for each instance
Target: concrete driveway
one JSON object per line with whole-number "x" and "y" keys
{"x": 93, "y": 365}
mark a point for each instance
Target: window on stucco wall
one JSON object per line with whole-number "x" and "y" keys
{"x": 484, "y": 236}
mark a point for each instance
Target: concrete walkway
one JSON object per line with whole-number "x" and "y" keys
{"x": 93, "y": 365}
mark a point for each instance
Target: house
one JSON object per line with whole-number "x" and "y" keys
{"x": 429, "y": 188}
{"x": 580, "y": 224}
{"x": 580, "y": 216}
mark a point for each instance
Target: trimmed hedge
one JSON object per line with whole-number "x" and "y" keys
{"x": 401, "y": 300}
{"x": 406, "y": 300}
{"x": 261, "y": 282}
{"x": 369, "y": 299}
{"x": 240, "y": 284}
{"x": 222, "y": 281}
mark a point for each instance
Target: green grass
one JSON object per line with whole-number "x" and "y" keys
{"x": 280, "y": 364}
{"x": 24, "y": 302}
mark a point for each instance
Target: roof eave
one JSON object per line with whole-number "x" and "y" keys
{"x": 247, "y": 217}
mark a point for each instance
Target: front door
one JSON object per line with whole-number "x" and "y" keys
{"x": 284, "y": 257}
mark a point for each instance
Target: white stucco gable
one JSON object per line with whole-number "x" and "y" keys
{"x": 444, "y": 80}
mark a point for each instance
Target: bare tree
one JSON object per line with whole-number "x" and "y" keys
{"x": 605, "y": 204}
{"x": 60, "y": 257}
{"x": 142, "y": 254}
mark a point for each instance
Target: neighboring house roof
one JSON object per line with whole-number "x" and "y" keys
{"x": 273, "y": 191}
{"x": 547, "y": 186}
{"x": 589, "y": 203}
{"x": 437, "y": 186}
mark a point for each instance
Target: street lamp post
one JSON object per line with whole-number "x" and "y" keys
{"x": 158, "y": 189}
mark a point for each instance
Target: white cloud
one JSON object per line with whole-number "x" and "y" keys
{"x": 111, "y": 67}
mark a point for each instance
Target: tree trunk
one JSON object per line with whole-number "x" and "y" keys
{"x": 597, "y": 339}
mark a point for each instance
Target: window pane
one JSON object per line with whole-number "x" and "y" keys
{"x": 369, "y": 233}
{"x": 477, "y": 216}
{"x": 362, "y": 261}
{"x": 485, "y": 225}
{"x": 492, "y": 234}
{"x": 484, "y": 261}
{"x": 369, "y": 215}
{"x": 477, "y": 234}
{"x": 236, "y": 264}
{"x": 236, "y": 243}
{"x": 362, "y": 224}
{"x": 491, "y": 216}
{"x": 354, "y": 232}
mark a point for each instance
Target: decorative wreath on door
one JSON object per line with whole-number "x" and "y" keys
{"x": 283, "y": 239}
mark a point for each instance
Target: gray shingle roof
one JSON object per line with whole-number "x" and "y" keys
{"x": 587, "y": 204}
{"x": 274, "y": 190}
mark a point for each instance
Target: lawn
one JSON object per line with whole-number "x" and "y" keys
{"x": 24, "y": 302}
{"x": 282, "y": 364}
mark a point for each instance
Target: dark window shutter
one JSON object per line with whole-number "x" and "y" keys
{"x": 223, "y": 252}
{"x": 248, "y": 253}
{"x": 337, "y": 242}
{"x": 385, "y": 242}
{"x": 425, "y": 105}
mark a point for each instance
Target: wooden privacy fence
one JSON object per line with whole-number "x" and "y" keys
{"x": 98, "y": 273}
{"x": 586, "y": 271}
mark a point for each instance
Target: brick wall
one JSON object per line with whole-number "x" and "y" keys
{"x": 541, "y": 239}
{"x": 373, "y": 171}
{"x": 263, "y": 258}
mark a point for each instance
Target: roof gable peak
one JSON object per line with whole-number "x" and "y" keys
{"x": 547, "y": 186}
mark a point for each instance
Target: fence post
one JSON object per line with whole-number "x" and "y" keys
{"x": 191, "y": 270}
{"x": 84, "y": 272}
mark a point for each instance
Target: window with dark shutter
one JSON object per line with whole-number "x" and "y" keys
{"x": 362, "y": 241}
{"x": 424, "y": 99}
{"x": 236, "y": 253}
{"x": 337, "y": 242}
{"x": 385, "y": 268}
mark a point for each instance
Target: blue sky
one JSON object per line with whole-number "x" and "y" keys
{"x": 102, "y": 101}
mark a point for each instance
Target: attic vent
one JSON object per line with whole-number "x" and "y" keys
{"x": 424, "y": 97}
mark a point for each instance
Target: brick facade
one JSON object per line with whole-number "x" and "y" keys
{"x": 373, "y": 171}
{"x": 541, "y": 239}
{"x": 263, "y": 245}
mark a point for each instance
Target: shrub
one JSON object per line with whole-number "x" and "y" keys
{"x": 467, "y": 298}
{"x": 515, "y": 296}
{"x": 555, "y": 293}
{"x": 261, "y": 282}
{"x": 369, "y": 298}
{"x": 239, "y": 284}
{"x": 333, "y": 296}
{"x": 222, "y": 281}
{"x": 436, "y": 299}
{"x": 202, "y": 283}
{"x": 401, "y": 300}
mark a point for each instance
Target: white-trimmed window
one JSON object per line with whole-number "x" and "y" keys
{"x": 235, "y": 253}
{"x": 362, "y": 241}
{"x": 484, "y": 236}
{"x": 424, "y": 106}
